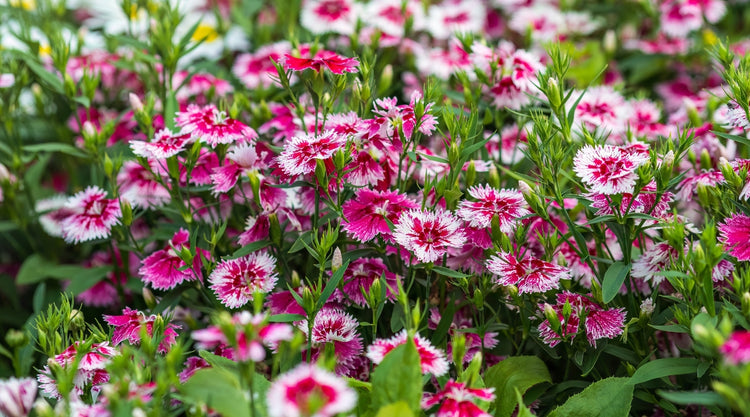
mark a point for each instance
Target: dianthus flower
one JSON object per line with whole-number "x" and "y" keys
{"x": 334, "y": 326}
{"x": 334, "y": 62}
{"x": 17, "y": 396}
{"x": 165, "y": 269}
{"x": 736, "y": 115}
{"x": 235, "y": 280}
{"x": 458, "y": 400}
{"x": 362, "y": 273}
{"x": 128, "y": 327}
{"x": 212, "y": 126}
{"x": 530, "y": 275}
{"x": 326, "y": 16}
{"x": 307, "y": 391}
{"x": 139, "y": 187}
{"x": 508, "y": 205}
{"x": 598, "y": 324}
{"x": 368, "y": 213}
{"x": 164, "y": 145}
{"x": 91, "y": 217}
{"x": 301, "y": 154}
{"x": 734, "y": 233}
{"x": 91, "y": 368}
{"x": 431, "y": 359}
{"x": 608, "y": 169}
{"x": 428, "y": 234}
{"x": 736, "y": 349}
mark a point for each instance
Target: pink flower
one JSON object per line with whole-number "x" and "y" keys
{"x": 362, "y": 273}
{"x": 736, "y": 115}
{"x": 431, "y": 359}
{"x": 466, "y": 16}
{"x": 139, "y": 187}
{"x": 602, "y": 109}
{"x": 604, "y": 324}
{"x": 92, "y": 216}
{"x": 235, "y": 280}
{"x": 530, "y": 274}
{"x": 428, "y": 234}
{"x": 608, "y": 169}
{"x": 368, "y": 213}
{"x": 324, "y": 16}
{"x": 212, "y": 126}
{"x": 647, "y": 201}
{"x": 508, "y": 205}
{"x": 91, "y": 368}
{"x": 599, "y": 323}
{"x": 164, "y": 145}
{"x": 655, "y": 258}
{"x": 334, "y": 62}
{"x": 257, "y": 69}
{"x": 734, "y": 233}
{"x": 334, "y": 326}
{"x": 17, "y": 396}
{"x": 736, "y": 349}
{"x": 301, "y": 154}
{"x": 457, "y": 398}
{"x": 165, "y": 269}
{"x": 129, "y": 325}
{"x": 689, "y": 186}
{"x": 308, "y": 390}
{"x": 252, "y": 332}
{"x": 680, "y": 17}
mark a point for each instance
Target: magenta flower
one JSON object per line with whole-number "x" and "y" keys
{"x": 301, "y": 154}
{"x": 509, "y": 206}
{"x": 17, "y": 396}
{"x": 429, "y": 234}
{"x": 129, "y": 325}
{"x": 334, "y": 326}
{"x": 324, "y": 16}
{"x": 366, "y": 214}
{"x": 164, "y": 145}
{"x": 91, "y": 369}
{"x": 530, "y": 274}
{"x": 92, "y": 216}
{"x": 212, "y": 126}
{"x": 332, "y": 61}
{"x": 655, "y": 258}
{"x": 736, "y": 115}
{"x": 608, "y": 169}
{"x": 736, "y": 349}
{"x": 734, "y": 233}
{"x": 235, "y": 280}
{"x": 139, "y": 187}
{"x": 164, "y": 269}
{"x": 458, "y": 400}
{"x": 360, "y": 275}
{"x": 598, "y": 324}
{"x": 308, "y": 391}
{"x": 252, "y": 333}
{"x": 431, "y": 359}
{"x": 257, "y": 69}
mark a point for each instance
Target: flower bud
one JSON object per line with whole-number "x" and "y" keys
{"x": 127, "y": 213}
{"x": 551, "y": 315}
{"x": 135, "y": 103}
{"x": 610, "y": 42}
{"x": 336, "y": 260}
{"x": 148, "y": 298}
{"x": 16, "y": 338}
{"x": 471, "y": 174}
{"x": 459, "y": 348}
{"x": 76, "y": 319}
{"x": 553, "y": 93}
{"x": 90, "y": 135}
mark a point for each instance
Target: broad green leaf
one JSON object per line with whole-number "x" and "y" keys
{"x": 514, "y": 373}
{"x": 449, "y": 272}
{"x": 693, "y": 397}
{"x": 7, "y": 226}
{"x": 660, "y": 368}
{"x": 398, "y": 378}
{"x": 35, "y": 268}
{"x": 400, "y": 409}
{"x": 55, "y": 147}
{"x": 613, "y": 280}
{"x": 218, "y": 389}
{"x": 609, "y": 397}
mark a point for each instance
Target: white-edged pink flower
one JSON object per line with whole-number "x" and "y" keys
{"x": 736, "y": 349}
{"x": 332, "y": 325}
{"x": 325, "y": 16}
{"x": 736, "y": 115}
{"x": 164, "y": 145}
{"x": 139, "y": 187}
{"x": 428, "y": 234}
{"x": 607, "y": 169}
{"x": 457, "y": 400}
{"x": 362, "y": 273}
{"x": 165, "y": 269}
{"x": 301, "y": 154}
{"x": 602, "y": 109}
{"x": 542, "y": 22}
{"x": 431, "y": 359}
{"x": 390, "y": 16}
{"x": 680, "y": 17}
{"x": 599, "y": 323}
{"x": 91, "y": 217}
{"x": 17, "y": 396}
{"x": 508, "y": 205}
{"x": 91, "y": 369}
{"x": 462, "y": 16}
{"x": 129, "y": 325}
{"x": 530, "y": 274}
{"x": 655, "y": 258}
{"x": 212, "y": 126}
{"x": 257, "y": 69}
{"x": 235, "y": 280}
{"x": 308, "y": 390}
{"x": 7, "y": 80}
{"x": 734, "y": 234}
{"x": 368, "y": 213}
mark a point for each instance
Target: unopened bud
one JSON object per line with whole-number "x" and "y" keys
{"x": 89, "y": 134}
{"x": 553, "y": 93}
{"x": 647, "y": 307}
{"x": 148, "y": 298}
{"x": 77, "y": 321}
{"x": 127, "y": 213}
{"x": 135, "y": 102}
{"x": 336, "y": 260}
{"x": 16, "y": 338}
{"x": 610, "y": 42}
{"x": 459, "y": 348}
{"x": 493, "y": 177}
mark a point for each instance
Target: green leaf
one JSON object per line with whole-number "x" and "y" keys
{"x": 218, "y": 361}
{"x": 670, "y": 328}
{"x": 398, "y": 378}
{"x": 449, "y": 272}
{"x": 738, "y": 139}
{"x": 613, "y": 280}
{"x": 218, "y": 389}
{"x": 250, "y": 248}
{"x": 514, "y": 373}
{"x": 56, "y": 147}
{"x": 399, "y": 408}
{"x": 693, "y": 397}
{"x": 35, "y": 268}
{"x": 331, "y": 285}
{"x": 7, "y": 226}
{"x": 170, "y": 110}
{"x": 286, "y": 318}
{"x": 609, "y": 397}
{"x": 660, "y": 368}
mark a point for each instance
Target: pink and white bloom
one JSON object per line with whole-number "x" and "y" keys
{"x": 235, "y": 280}
{"x": 543, "y": 22}
{"x": 131, "y": 323}
{"x": 139, "y": 187}
{"x": 390, "y": 18}
{"x": 530, "y": 275}
{"x": 680, "y": 17}
{"x": 307, "y": 391}
{"x": 462, "y": 16}
{"x": 598, "y": 324}
{"x": 368, "y": 213}
{"x": 212, "y": 126}
{"x": 91, "y": 217}
{"x": 508, "y": 205}
{"x": 258, "y": 69}
{"x": 602, "y": 109}
{"x": 91, "y": 369}
{"x": 323, "y": 59}
{"x": 332, "y": 325}
{"x": 457, "y": 400}
{"x": 325, "y": 16}
{"x": 17, "y": 396}
{"x": 736, "y": 115}
{"x": 736, "y": 349}
{"x": 252, "y": 332}
{"x": 301, "y": 154}
{"x": 607, "y": 169}
{"x": 164, "y": 145}
{"x": 431, "y": 359}
{"x": 165, "y": 269}
{"x": 655, "y": 258}
{"x": 428, "y": 234}
{"x": 362, "y": 273}
{"x": 734, "y": 233}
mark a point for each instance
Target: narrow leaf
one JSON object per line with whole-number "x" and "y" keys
{"x": 613, "y": 280}
{"x": 660, "y": 368}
